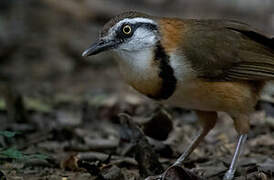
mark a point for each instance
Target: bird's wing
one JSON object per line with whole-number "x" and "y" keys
{"x": 228, "y": 50}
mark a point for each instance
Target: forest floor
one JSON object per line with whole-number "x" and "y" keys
{"x": 74, "y": 127}
{"x": 75, "y": 137}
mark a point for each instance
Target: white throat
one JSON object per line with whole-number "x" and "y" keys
{"x": 135, "y": 60}
{"x": 136, "y": 65}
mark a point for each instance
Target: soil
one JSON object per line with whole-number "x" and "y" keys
{"x": 70, "y": 124}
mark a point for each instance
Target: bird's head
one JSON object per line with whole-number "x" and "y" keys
{"x": 129, "y": 31}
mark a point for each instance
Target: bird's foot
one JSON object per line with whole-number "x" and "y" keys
{"x": 175, "y": 172}
{"x": 164, "y": 175}
{"x": 229, "y": 175}
{"x": 158, "y": 177}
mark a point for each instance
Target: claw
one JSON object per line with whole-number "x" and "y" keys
{"x": 175, "y": 173}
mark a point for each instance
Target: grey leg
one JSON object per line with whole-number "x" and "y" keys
{"x": 190, "y": 148}
{"x": 229, "y": 175}
{"x": 208, "y": 121}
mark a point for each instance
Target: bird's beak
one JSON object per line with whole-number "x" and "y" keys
{"x": 99, "y": 46}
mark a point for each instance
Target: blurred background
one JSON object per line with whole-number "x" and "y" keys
{"x": 41, "y": 41}
{"x": 60, "y": 102}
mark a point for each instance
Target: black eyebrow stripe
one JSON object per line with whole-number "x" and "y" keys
{"x": 122, "y": 37}
{"x": 149, "y": 26}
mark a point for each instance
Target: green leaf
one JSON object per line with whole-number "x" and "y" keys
{"x": 37, "y": 156}
{"x": 8, "y": 134}
{"x": 12, "y": 153}
{"x": 37, "y": 105}
{"x": 18, "y": 155}
{"x": 2, "y": 104}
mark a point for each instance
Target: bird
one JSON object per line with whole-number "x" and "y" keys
{"x": 205, "y": 65}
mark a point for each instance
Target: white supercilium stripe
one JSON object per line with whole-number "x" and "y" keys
{"x": 132, "y": 21}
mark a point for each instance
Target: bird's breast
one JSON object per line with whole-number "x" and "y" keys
{"x": 140, "y": 71}
{"x": 153, "y": 72}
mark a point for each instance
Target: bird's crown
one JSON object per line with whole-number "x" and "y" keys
{"x": 125, "y": 17}
{"x": 129, "y": 31}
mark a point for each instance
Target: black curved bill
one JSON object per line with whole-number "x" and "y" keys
{"x": 99, "y": 46}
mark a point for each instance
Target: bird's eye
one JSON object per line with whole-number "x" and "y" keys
{"x": 127, "y": 29}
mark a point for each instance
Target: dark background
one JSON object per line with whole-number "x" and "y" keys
{"x": 42, "y": 41}
{"x": 74, "y": 99}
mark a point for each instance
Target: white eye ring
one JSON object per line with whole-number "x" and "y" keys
{"x": 127, "y": 29}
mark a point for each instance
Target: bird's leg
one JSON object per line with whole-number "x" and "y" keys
{"x": 190, "y": 148}
{"x": 241, "y": 123}
{"x": 229, "y": 175}
{"x": 208, "y": 121}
